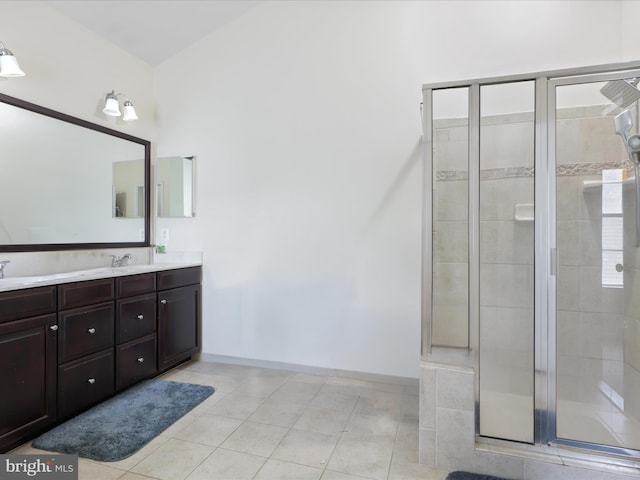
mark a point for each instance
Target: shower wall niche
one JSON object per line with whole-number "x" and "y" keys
{"x": 531, "y": 267}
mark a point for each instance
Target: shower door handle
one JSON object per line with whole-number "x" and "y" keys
{"x": 554, "y": 261}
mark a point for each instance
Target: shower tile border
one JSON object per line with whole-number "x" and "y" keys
{"x": 566, "y": 170}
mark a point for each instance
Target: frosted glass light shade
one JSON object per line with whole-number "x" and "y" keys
{"x": 129, "y": 112}
{"x": 9, "y": 65}
{"x": 111, "y": 106}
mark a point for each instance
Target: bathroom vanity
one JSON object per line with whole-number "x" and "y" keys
{"x": 68, "y": 345}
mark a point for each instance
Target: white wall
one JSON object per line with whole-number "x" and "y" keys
{"x": 304, "y": 117}
{"x": 70, "y": 69}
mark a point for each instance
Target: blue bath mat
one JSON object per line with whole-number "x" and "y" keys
{"x": 471, "y": 476}
{"x": 120, "y": 426}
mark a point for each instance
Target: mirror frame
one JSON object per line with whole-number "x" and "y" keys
{"x": 63, "y": 117}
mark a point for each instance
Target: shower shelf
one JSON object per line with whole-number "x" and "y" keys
{"x": 593, "y": 184}
{"x": 523, "y": 212}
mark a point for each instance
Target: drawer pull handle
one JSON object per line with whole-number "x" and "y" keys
{"x": 164, "y": 302}
{"x": 140, "y": 317}
{"x": 53, "y": 327}
{"x": 92, "y": 330}
{"x": 140, "y": 359}
{"x": 91, "y": 381}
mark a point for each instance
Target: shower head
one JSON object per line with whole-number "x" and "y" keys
{"x": 622, "y": 123}
{"x": 621, "y": 92}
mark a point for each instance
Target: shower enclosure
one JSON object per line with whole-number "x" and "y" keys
{"x": 531, "y": 257}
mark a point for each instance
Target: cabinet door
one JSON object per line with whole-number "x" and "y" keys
{"x": 179, "y": 314}
{"x": 27, "y": 378}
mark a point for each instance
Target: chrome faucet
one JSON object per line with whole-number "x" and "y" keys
{"x": 122, "y": 261}
{"x": 3, "y": 263}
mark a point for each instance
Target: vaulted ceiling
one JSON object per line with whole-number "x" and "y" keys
{"x": 153, "y": 30}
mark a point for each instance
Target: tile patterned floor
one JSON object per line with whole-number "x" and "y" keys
{"x": 268, "y": 424}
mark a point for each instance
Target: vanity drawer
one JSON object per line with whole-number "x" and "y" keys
{"x": 179, "y": 277}
{"x": 31, "y": 302}
{"x": 135, "y": 361}
{"x": 85, "y": 330}
{"x": 135, "y": 317}
{"x": 85, "y": 382}
{"x": 135, "y": 285}
{"x": 71, "y": 295}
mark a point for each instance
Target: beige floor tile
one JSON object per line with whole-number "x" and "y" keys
{"x": 130, "y": 462}
{"x": 228, "y": 465}
{"x": 405, "y": 449}
{"x": 277, "y": 412}
{"x": 236, "y": 405}
{"x": 255, "y": 438}
{"x": 277, "y": 470}
{"x": 187, "y": 376}
{"x": 322, "y": 420}
{"x": 297, "y": 392}
{"x": 414, "y": 471}
{"x": 329, "y": 475}
{"x": 208, "y": 430}
{"x": 135, "y": 476}
{"x": 306, "y": 448}
{"x": 336, "y": 397}
{"x": 260, "y": 386}
{"x": 264, "y": 424}
{"x": 359, "y": 457}
{"x": 382, "y": 404}
{"x": 224, "y": 384}
{"x": 179, "y": 424}
{"x": 309, "y": 378}
{"x": 88, "y": 470}
{"x": 371, "y": 427}
{"x": 174, "y": 460}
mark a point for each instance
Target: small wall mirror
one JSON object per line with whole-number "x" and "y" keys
{"x": 175, "y": 187}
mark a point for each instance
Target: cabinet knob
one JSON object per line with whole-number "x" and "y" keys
{"x": 53, "y": 327}
{"x": 92, "y": 330}
{"x": 164, "y": 302}
{"x": 140, "y": 360}
{"x": 91, "y": 381}
{"x": 140, "y": 317}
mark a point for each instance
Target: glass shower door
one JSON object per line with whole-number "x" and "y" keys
{"x": 597, "y": 299}
{"x": 506, "y": 230}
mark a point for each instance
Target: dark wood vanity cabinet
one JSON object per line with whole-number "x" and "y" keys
{"x": 65, "y": 348}
{"x": 136, "y": 344}
{"x": 179, "y": 315}
{"x": 28, "y": 340}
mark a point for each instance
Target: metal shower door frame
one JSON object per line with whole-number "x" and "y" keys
{"x": 545, "y": 245}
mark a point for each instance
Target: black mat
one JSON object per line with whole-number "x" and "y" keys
{"x": 120, "y": 426}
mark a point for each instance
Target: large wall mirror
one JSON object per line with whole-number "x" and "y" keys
{"x": 66, "y": 183}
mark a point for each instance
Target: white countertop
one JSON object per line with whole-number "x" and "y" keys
{"x": 17, "y": 283}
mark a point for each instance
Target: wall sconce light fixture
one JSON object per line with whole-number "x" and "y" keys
{"x": 112, "y": 107}
{"x": 8, "y": 64}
